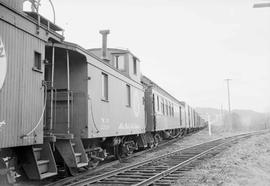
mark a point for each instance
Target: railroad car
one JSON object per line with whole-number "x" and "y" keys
{"x": 95, "y": 103}
{"x": 23, "y": 36}
{"x": 165, "y": 116}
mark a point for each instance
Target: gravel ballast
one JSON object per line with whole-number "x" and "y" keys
{"x": 246, "y": 163}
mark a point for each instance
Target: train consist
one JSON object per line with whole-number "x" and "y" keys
{"x": 63, "y": 108}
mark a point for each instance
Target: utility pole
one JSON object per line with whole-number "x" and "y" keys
{"x": 221, "y": 115}
{"x": 229, "y": 97}
{"x": 209, "y": 125}
{"x": 229, "y": 105}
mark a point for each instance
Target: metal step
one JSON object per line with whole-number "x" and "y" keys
{"x": 37, "y": 152}
{"x": 79, "y": 165}
{"x": 47, "y": 175}
{"x": 39, "y": 161}
{"x": 43, "y": 166}
{"x": 78, "y": 157}
{"x": 79, "y": 152}
{"x": 72, "y": 152}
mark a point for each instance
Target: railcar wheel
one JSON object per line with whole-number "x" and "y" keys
{"x": 93, "y": 164}
{"x": 117, "y": 153}
{"x": 7, "y": 177}
{"x": 125, "y": 148}
{"x": 157, "y": 139}
{"x": 174, "y": 133}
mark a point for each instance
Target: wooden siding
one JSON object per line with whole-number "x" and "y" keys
{"x": 164, "y": 122}
{"x": 113, "y": 118}
{"x": 92, "y": 117}
{"x": 21, "y": 98}
{"x": 16, "y": 4}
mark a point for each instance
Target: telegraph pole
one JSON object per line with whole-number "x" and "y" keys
{"x": 209, "y": 125}
{"x": 229, "y": 97}
{"x": 229, "y": 104}
{"x": 221, "y": 115}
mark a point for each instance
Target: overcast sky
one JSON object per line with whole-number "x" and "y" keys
{"x": 188, "y": 47}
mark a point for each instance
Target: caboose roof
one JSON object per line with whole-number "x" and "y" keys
{"x": 86, "y": 53}
{"x": 115, "y": 51}
{"x": 44, "y": 21}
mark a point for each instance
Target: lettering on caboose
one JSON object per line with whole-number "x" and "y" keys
{"x": 3, "y": 63}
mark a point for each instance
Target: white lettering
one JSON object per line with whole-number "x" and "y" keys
{"x": 127, "y": 126}
{"x": 2, "y": 123}
{"x": 3, "y": 63}
{"x": 136, "y": 103}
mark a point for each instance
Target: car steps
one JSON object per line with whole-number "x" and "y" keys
{"x": 72, "y": 152}
{"x": 40, "y": 162}
{"x": 79, "y": 151}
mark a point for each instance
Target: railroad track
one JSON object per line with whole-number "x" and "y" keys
{"x": 106, "y": 166}
{"x": 161, "y": 170}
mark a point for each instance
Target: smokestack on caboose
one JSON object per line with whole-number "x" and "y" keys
{"x": 104, "y": 34}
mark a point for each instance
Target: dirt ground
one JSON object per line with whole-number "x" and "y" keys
{"x": 246, "y": 163}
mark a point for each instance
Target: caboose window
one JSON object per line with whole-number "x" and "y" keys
{"x": 166, "y": 108}
{"x": 162, "y": 107}
{"x": 104, "y": 86}
{"x": 119, "y": 62}
{"x": 37, "y": 60}
{"x": 170, "y": 109}
{"x": 134, "y": 66}
{"x": 157, "y": 103}
{"x": 116, "y": 62}
{"x": 128, "y": 96}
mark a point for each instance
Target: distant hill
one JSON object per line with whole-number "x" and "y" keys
{"x": 254, "y": 120}
{"x": 213, "y": 114}
{"x": 241, "y": 119}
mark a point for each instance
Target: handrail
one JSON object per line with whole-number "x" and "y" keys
{"x": 40, "y": 119}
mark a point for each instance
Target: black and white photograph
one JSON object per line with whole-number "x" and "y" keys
{"x": 134, "y": 92}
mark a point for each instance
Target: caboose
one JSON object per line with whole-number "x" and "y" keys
{"x": 23, "y": 38}
{"x": 95, "y": 107}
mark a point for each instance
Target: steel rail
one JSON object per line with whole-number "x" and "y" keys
{"x": 123, "y": 169}
{"x": 193, "y": 155}
{"x": 176, "y": 167}
{"x": 64, "y": 181}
